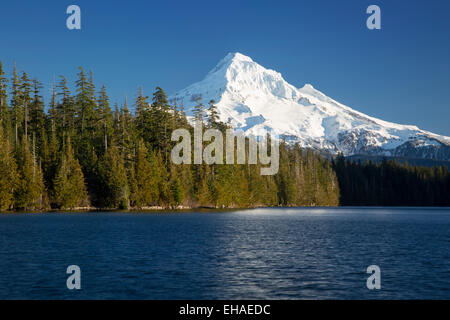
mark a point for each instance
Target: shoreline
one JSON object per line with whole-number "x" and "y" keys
{"x": 150, "y": 209}
{"x": 158, "y": 209}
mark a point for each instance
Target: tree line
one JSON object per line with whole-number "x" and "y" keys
{"x": 78, "y": 151}
{"x": 391, "y": 183}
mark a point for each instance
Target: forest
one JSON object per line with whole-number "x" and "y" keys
{"x": 77, "y": 152}
{"x": 391, "y": 183}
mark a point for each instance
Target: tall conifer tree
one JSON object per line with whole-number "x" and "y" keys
{"x": 69, "y": 185}
{"x": 8, "y": 173}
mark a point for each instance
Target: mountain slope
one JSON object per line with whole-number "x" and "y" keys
{"x": 258, "y": 100}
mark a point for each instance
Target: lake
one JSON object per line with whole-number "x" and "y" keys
{"x": 295, "y": 253}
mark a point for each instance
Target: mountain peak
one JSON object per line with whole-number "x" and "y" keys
{"x": 237, "y": 56}
{"x": 309, "y": 89}
{"x": 308, "y": 86}
{"x": 258, "y": 100}
{"x": 231, "y": 59}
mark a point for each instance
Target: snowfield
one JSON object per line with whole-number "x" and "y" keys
{"x": 258, "y": 100}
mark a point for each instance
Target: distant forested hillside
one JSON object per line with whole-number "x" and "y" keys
{"x": 410, "y": 161}
{"x": 391, "y": 183}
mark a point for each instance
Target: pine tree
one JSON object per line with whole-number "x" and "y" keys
{"x": 160, "y": 176}
{"x": 286, "y": 186}
{"x": 69, "y": 186}
{"x": 146, "y": 185}
{"x": 25, "y": 99}
{"x": 213, "y": 114}
{"x": 37, "y": 116}
{"x": 160, "y": 123}
{"x": 177, "y": 191}
{"x": 114, "y": 179}
{"x": 30, "y": 193}
{"x": 52, "y": 112}
{"x": 17, "y": 112}
{"x": 198, "y": 108}
{"x": 50, "y": 154}
{"x": 127, "y": 135}
{"x": 85, "y": 101}
{"x": 142, "y": 114}
{"x": 8, "y": 173}
{"x": 65, "y": 111}
{"x": 87, "y": 118}
{"x": 105, "y": 118}
{"x": 5, "y": 118}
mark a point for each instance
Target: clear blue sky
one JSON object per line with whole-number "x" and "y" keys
{"x": 400, "y": 73}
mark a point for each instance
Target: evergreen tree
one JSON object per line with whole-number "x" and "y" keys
{"x": 161, "y": 192}
{"x": 126, "y": 134}
{"x": 69, "y": 186}
{"x": 105, "y": 118}
{"x": 199, "y": 108}
{"x": 160, "y": 123}
{"x": 52, "y": 112}
{"x": 4, "y": 111}
{"x": 8, "y": 173}
{"x": 142, "y": 114}
{"x": 87, "y": 119}
{"x": 30, "y": 192}
{"x": 213, "y": 116}
{"x": 285, "y": 181}
{"x": 25, "y": 99}
{"x": 145, "y": 193}
{"x": 177, "y": 191}
{"x": 85, "y": 101}
{"x": 16, "y": 106}
{"x": 65, "y": 111}
{"x": 114, "y": 179}
{"x": 37, "y": 117}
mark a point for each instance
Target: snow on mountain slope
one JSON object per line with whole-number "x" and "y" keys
{"x": 258, "y": 100}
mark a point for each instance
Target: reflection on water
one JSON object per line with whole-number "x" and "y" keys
{"x": 294, "y": 253}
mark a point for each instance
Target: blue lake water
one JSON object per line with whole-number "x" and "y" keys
{"x": 297, "y": 253}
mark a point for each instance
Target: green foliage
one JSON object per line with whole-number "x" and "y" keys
{"x": 390, "y": 183}
{"x": 213, "y": 114}
{"x": 176, "y": 190}
{"x": 30, "y": 192}
{"x": 69, "y": 186}
{"x": 199, "y": 111}
{"x": 85, "y": 102}
{"x": 86, "y": 153}
{"x": 37, "y": 115}
{"x": 5, "y": 119}
{"x": 25, "y": 99}
{"x": 65, "y": 111}
{"x": 144, "y": 194}
{"x": 17, "y": 112}
{"x": 113, "y": 178}
{"x": 105, "y": 119}
{"x": 8, "y": 173}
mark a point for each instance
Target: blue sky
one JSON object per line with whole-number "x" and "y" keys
{"x": 400, "y": 73}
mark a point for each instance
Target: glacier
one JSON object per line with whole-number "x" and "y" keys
{"x": 258, "y": 101}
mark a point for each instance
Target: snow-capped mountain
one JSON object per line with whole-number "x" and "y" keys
{"x": 258, "y": 100}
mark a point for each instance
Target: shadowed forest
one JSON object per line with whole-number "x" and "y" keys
{"x": 391, "y": 183}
